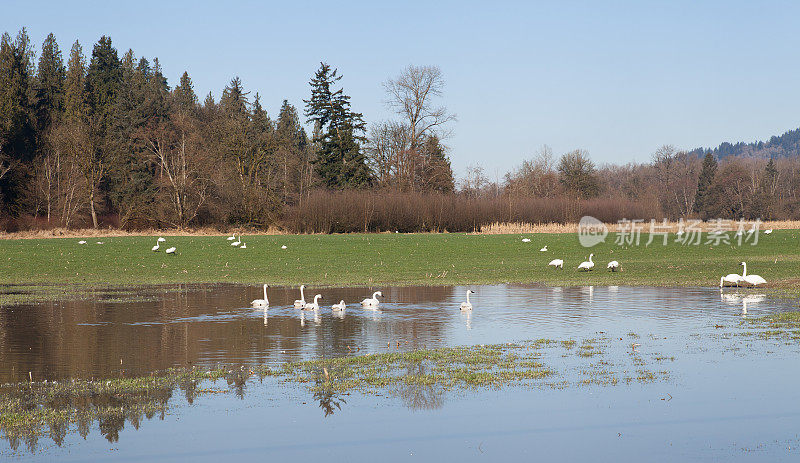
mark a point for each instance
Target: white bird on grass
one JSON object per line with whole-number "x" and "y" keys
{"x": 156, "y": 247}
{"x": 526, "y": 240}
{"x": 544, "y": 249}
{"x": 232, "y": 237}
{"x": 731, "y": 279}
{"x": 262, "y": 302}
{"x": 558, "y": 263}
{"x": 587, "y": 265}
{"x": 237, "y": 242}
{"x": 99, "y": 242}
{"x": 467, "y": 305}
{"x": 750, "y": 280}
{"x": 613, "y": 266}
{"x": 300, "y": 303}
{"x": 373, "y": 301}
{"x": 170, "y": 250}
{"x": 82, "y": 242}
{"x": 160, "y": 240}
{"x": 243, "y": 246}
{"x": 768, "y": 231}
{"x": 283, "y": 247}
{"x": 313, "y": 305}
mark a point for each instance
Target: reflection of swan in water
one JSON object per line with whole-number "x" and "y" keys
{"x": 613, "y": 289}
{"x": 317, "y": 320}
{"x": 266, "y": 314}
{"x": 730, "y": 298}
{"x": 302, "y": 319}
{"x": 753, "y": 299}
{"x": 467, "y": 316}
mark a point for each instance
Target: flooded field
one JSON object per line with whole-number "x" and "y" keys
{"x": 623, "y": 369}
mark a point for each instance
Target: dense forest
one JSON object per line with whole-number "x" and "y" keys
{"x": 103, "y": 140}
{"x": 785, "y": 145}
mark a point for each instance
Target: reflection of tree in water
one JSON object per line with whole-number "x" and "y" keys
{"x": 414, "y": 394}
{"x": 329, "y": 401}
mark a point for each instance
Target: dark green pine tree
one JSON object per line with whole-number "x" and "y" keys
{"x": 234, "y": 101}
{"x": 50, "y": 78}
{"x": 103, "y": 79}
{"x": 17, "y": 127}
{"x": 704, "y": 183}
{"x": 340, "y": 161}
{"x": 75, "y": 85}
{"x": 184, "y": 94}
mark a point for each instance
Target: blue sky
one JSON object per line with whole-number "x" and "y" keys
{"x": 618, "y": 79}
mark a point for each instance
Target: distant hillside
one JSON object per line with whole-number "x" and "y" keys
{"x": 786, "y": 145}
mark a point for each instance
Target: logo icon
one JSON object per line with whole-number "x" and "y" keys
{"x": 591, "y": 231}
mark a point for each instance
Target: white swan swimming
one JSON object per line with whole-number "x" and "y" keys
{"x": 262, "y": 302}
{"x": 170, "y": 250}
{"x": 544, "y": 249}
{"x": 587, "y": 265}
{"x": 300, "y": 303}
{"x": 155, "y": 248}
{"x": 467, "y": 305}
{"x": 750, "y": 280}
{"x": 313, "y": 305}
{"x": 559, "y": 263}
{"x": 731, "y": 279}
{"x": 373, "y": 301}
{"x": 339, "y": 307}
{"x": 613, "y": 266}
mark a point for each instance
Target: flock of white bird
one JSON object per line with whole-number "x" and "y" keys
{"x": 340, "y": 307}
{"x": 585, "y": 266}
{"x": 733, "y": 279}
{"x": 170, "y": 250}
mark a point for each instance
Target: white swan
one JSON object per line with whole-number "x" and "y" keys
{"x": 613, "y": 266}
{"x": 587, "y": 265}
{"x": 237, "y": 242}
{"x": 373, "y": 301}
{"x": 467, "y": 305}
{"x": 262, "y": 302}
{"x": 82, "y": 242}
{"x": 544, "y": 249}
{"x": 99, "y": 242}
{"x": 300, "y": 303}
{"x": 526, "y": 240}
{"x": 768, "y": 231}
{"x": 243, "y": 246}
{"x": 339, "y": 307}
{"x": 731, "y": 279}
{"x": 232, "y": 237}
{"x": 170, "y": 250}
{"x": 313, "y": 305}
{"x": 559, "y": 263}
{"x": 160, "y": 240}
{"x": 750, "y": 280}
{"x": 283, "y": 247}
{"x": 155, "y": 248}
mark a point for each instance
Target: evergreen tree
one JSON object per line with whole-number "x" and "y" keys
{"x": 234, "y": 99}
{"x": 50, "y": 79}
{"x": 17, "y": 127}
{"x": 74, "y": 84}
{"x": 340, "y": 161}
{"x": 103, "y": 78}
{"x": 184, "y": 94}
{"x": 704, "y": 183}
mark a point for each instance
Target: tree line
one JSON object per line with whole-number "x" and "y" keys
{"x": 104, "y": 140}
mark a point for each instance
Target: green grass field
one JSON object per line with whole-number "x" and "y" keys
{"x": 381, "y": 259}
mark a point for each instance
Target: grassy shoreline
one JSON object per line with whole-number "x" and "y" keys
{"x": 391, "y": 259}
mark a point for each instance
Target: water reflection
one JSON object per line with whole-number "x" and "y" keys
{"x": 208, "y": 325}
